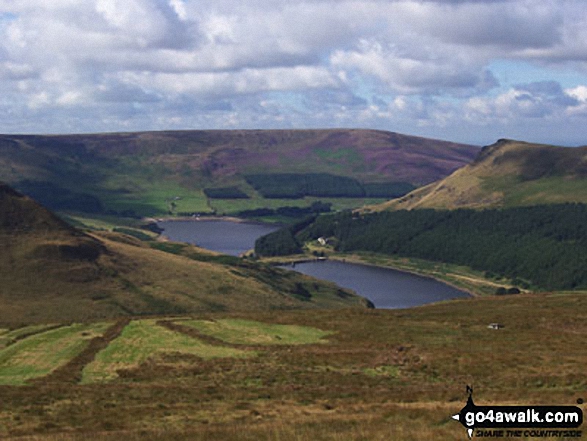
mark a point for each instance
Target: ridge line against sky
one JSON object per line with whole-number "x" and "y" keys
{"x": 467, "y": 71}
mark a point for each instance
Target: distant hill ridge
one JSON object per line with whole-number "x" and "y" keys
{"x": 143, "y": 172}
{"x": 364, "y": 152}
{"x": 507, "y": 173}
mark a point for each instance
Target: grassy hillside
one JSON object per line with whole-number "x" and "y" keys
{"x": 50, "y": 271}
{"x": 155, "y": 173}
{"x": 342, "y": 375}
{"x": 508, "y": 173}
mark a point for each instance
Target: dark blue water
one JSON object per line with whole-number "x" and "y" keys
{"x": 225, "y": 237}
{"x": 386, "y": 288}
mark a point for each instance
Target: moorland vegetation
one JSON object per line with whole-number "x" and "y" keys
{"x": 205, "y": 172}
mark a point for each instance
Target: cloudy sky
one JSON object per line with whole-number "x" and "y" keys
{"x": 462, "y": 70}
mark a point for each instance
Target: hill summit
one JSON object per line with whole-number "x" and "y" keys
{"x": 31, "y": 234}
{"x": 507, "y": 173}
{"x": 20, "y": 214}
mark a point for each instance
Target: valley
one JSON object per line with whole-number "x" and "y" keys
{"x": 300, "y": 220}
{"x": 100, "y": 274}
{"x": 108, "y": 331}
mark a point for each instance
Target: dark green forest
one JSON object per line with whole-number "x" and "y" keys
{"x": 299, "y": 185}
{"x": 288, "y": 211}
{"x": 283, "y": 241}
{"x": 542, "y": 247}
{"x": 58, "y": 198}
{"x": 225, "y": 193}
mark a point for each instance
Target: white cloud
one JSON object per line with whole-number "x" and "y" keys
{"x": 414, "y": 73}
{"x": 509, "y": 25}
{"x": 38, "y": 100}
{"x": 408, "y": 65}
{"x": 245, "y": 82}
{"x": 71, "y": 98}
{"x": 15, "y": 71}
{"x": 179, "y": 8}
{"x": 539, "y": 101}
{"x": 579, "y": 93}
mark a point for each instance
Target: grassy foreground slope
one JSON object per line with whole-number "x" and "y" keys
{"x": 52, "y": 272}
{"x": 143, "y": 340}
{"x": 42, "y": 353}
{"x": 152, "y": 173}
{"x": 379, "y": 375}
{"x": 505, "y": 174}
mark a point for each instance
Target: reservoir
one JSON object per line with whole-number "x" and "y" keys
{"x": 223, "y": 236}
{"x": 385, "y": 287}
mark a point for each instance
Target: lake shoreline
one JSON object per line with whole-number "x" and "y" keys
{"x": 358, "y": 261}
{"x": 209, "y": 218}
{"x": 344, "y": 258}
{"x": 198, "y": 219}
{"x": 386, "y": 288}
{"x": 237, "y": 236}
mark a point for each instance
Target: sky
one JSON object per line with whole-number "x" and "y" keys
{"x": 468, "y": 71}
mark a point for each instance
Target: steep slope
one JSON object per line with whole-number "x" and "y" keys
{"x": 32, "y": 236}
{"x": 508, "y": 173}
{"x": 145, "y": 172}
{"x": 50, "y": 271}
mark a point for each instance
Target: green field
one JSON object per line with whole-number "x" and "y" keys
{"x": 35, "y": 351}
{"x": 40, "y": 354}
{"x": 156, "y": 199}
{"x": 246, "y": 332}
{"x": 142, "y": 340}
{"x": 8, "y": 337}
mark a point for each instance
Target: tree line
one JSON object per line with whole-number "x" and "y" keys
{"x": 288, "y": 211}
{"x": 543, "y": 247}
{"x": 299, "y": 185}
